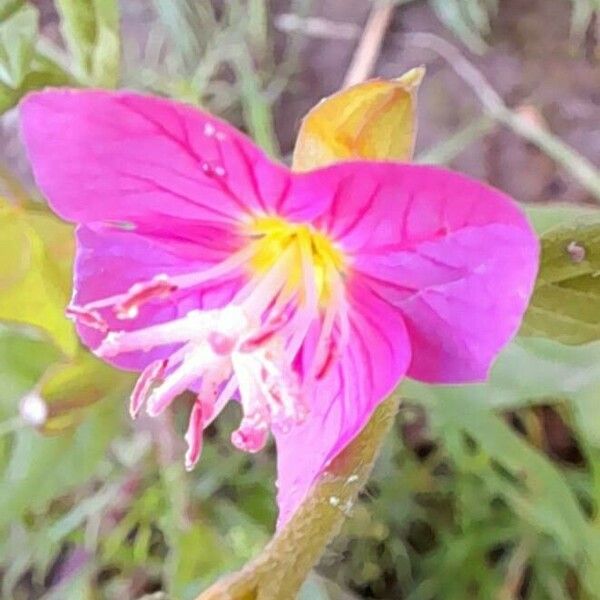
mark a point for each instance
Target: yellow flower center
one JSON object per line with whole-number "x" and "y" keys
{"x": 275, "y": 235}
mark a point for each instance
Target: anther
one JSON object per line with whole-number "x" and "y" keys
{"x": 250, "y": 437}
{"x": 150, "y": 375}
{"x": 193, "y": 436}
{"x": 158, "y": 288}
{"x": 264, "y": 335}
{"x": 89, "y": 318}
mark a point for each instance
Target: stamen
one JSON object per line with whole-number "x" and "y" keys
{"x": 158, "y": 288}
{"x": 87, "y": 317}
{"x": 265, "y": 289}
{"x": 307, "y": 312}
{"x": 211, "y": 412}
{"x": 153, "y": 372}
{"x": 284, "y": 400}
{"x": 269, "y": 389}
{"x": 195, "y": 324}
{"x": 271, "y": 328}
{"x": 221, "y": 270}
{"x": 251, "y": 436}
{"x": 211, "y": 382}
{"x": 326, "y": 349}
{"x": 193, "y": 436}
{"x": 248, "y": 345}
{"x": 193, "y": 366}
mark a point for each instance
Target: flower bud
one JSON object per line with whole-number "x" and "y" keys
{"x": 374, "y": 120}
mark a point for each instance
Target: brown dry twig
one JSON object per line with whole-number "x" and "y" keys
{"x": 579, "y": 167}
{"x": 369, "y": 47}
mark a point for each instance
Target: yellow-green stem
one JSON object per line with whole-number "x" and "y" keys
{"x": 278, "y": 572}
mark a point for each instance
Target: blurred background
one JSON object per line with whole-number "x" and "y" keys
{"x": 488, "y": 491}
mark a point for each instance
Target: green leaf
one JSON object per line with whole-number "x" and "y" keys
{"x": 526, "y": 479}
{"x": 566, "y": 302}
{"x": 43, "y": 73}
{"x": 57, "y": 237}
{"x": 33, "y": 289}
{"x": 69, "y": 388}
{"x": 22, "y": 363}
{"x": 469, "y": 24}
{"x": 547, "y": 216}
{"x": 9, "y": 8}
{"x": 91, "y": 30}
{"x": 22, "y": 67}
{"x": 42, "y": 468}
{"x": 196, "y": 552}
{"x": 528, "y": 371}
{"x": 18, "y": 32}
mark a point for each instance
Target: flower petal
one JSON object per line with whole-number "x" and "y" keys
{"x": 115, "y": 156}
{"x": 375, "y": 358}
{"x": 110, "y": 261}
{"x": 457, "y": 257}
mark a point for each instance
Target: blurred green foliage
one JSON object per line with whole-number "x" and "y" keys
{"x": 484, "y": 491}
{"x": 24, "y": 66}
{"x": 470, "y": 20}
{"x": 33, "y": 290}
{"x": 566, "y": 302}
{"x": 91, "y": 31}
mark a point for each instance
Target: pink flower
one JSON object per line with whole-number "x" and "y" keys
{"x": 206, "y": 266}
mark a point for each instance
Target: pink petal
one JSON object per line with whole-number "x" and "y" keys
{"x": 376, "y": 357}
{"x": 116, "y": 156}
{"x": 110, "y": 261}
{"x": 463, "y": 315}
{"x": 457, "y": 257}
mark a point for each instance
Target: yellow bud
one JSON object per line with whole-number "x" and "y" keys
{"x": 373, "y": 120}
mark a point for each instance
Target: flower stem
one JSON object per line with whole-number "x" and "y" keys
{"x": 280, "y": 569}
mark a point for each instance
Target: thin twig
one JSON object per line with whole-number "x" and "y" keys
{"x": 369, "y": 47}
{"x": 579, "y": 167}
{"x": 515, "y": 571}
{"x": 447, "y": 150}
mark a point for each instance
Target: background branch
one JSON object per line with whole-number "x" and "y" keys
{"x": 578, "y": 166}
